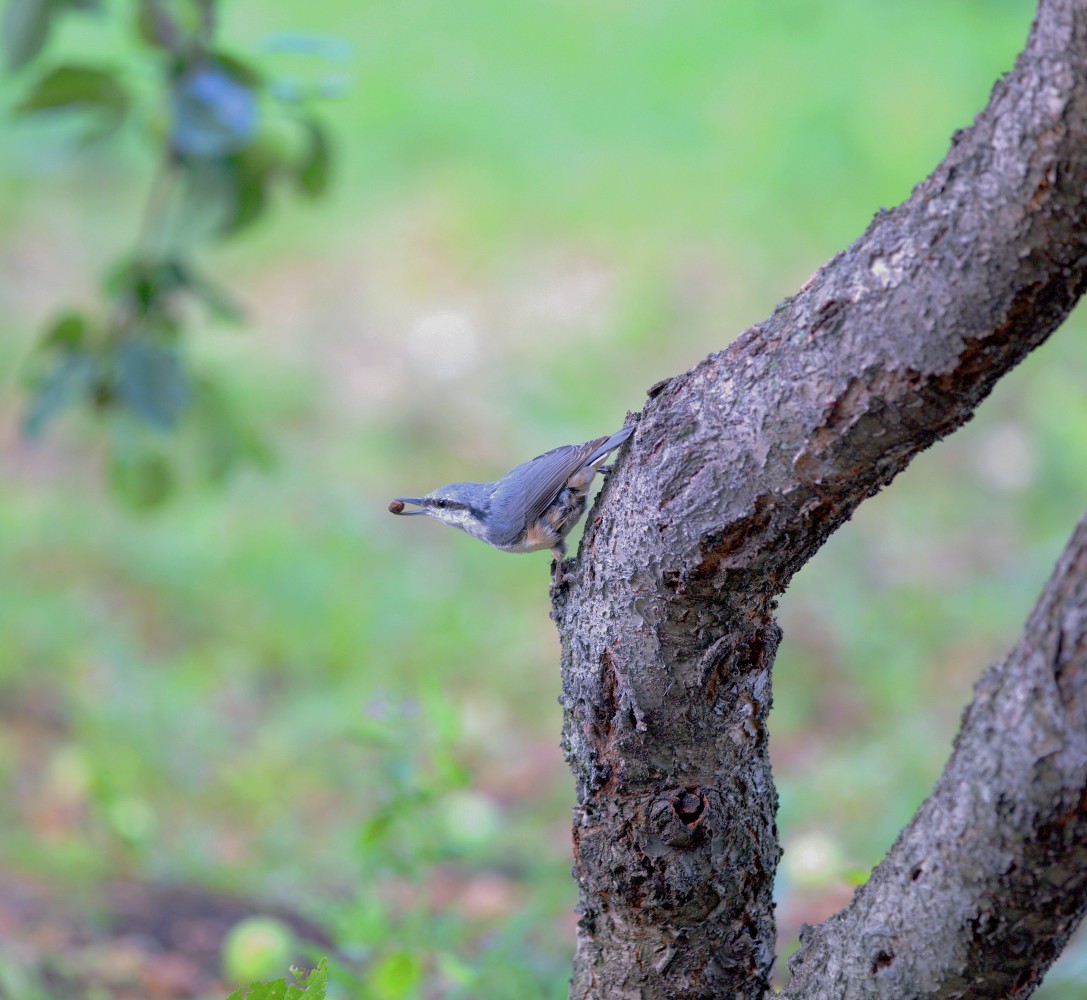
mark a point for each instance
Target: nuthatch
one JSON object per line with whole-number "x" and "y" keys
{"x": 531, "y": 508}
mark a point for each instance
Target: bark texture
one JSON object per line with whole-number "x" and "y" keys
{"x": 981, "y": 891}
{"x": 738, "y": 472}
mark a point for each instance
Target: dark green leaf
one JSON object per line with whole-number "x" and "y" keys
{"x": 242, "y": 71}
{"x": 146, "y": 284}
{"x": 152, "y": 382}
{"x": 119, "y": 278}
{"x": 154, "y": 287}
{"x": 375, "y": 829}
{"x": 78, "y": 86}
{"x": 313, "y": 171}
{"x": 143, "y": 480}
{"x": 70, "y": 378}
{"x": 24, "y": 30}
{"x": 67, "y": 332}
{"x": 251, "y": 177}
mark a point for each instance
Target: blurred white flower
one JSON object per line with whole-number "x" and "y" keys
{"x": 812, "y": 859}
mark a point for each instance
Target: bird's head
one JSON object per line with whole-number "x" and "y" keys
{"x": 460, "y": 505}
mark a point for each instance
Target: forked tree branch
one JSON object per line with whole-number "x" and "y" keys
{"x": 738, "y": 472}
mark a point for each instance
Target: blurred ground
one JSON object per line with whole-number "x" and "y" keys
{"x": 278, "y": 695}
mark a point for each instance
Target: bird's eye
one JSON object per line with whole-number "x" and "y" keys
{"x": 439, "y": 503}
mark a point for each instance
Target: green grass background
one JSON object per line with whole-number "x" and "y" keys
{"x": 538, "y": 211}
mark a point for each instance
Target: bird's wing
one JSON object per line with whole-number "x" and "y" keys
{"x": 532, "y": 486}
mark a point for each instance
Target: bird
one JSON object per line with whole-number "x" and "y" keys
{"x": 532, "y": 507}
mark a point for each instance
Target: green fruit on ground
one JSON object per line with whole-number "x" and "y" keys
{"x": 257, "y": 948}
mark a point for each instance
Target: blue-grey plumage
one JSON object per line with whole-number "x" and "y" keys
{"x": 532, "y": 507}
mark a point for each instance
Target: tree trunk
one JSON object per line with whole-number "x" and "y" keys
{"x": 738, "y": 472}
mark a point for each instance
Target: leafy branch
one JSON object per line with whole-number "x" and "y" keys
{"x": 210, "y": 121}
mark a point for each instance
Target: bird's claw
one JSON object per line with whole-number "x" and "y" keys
{"x": 559, "y": 576}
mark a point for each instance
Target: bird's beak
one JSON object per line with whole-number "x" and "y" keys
{"x": 400, "y": 501}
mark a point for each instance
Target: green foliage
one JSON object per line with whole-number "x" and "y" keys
{"x": 83, "y": 87}
{"x": 309, "y": 986}
{"x": 126, "y": 361}
{"x": 396, "y": 976}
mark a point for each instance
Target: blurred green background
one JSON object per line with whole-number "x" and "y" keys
{"x": 276, "y": 693}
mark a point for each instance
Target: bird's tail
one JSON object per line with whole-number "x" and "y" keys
{"x": 608, "y": 445}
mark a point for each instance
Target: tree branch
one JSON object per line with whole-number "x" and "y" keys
{"x": 738, "y": 472}
{"x": 984, "y": 887}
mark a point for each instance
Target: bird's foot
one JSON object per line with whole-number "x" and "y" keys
{"x": 559, "y": 575}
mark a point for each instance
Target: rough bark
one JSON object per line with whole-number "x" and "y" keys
{"x": 981, "y": 891}
{"x": 738, "y": 472}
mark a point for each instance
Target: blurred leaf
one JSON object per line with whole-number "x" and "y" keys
{"x": 250, "y": 177}
{"x": 67, "y": 332}
{"x": 152, "y": 382}
{"x": 214, "y": 114}
{"x": 148, "y": 285}
{"x": 77, "y": 86}
{"x": 396, "y": 976}
{"x": 251, "y": 200}
{"x": 70, "y": 378}
{"x": 24, "y": 30}
{"x": 313, "y": 171}
{"x": 151, "y": 289}
{"x": 374, "y": 830}
{"x": 240, "y": 70}
{"x": 142, "y": 480}
{"x": 232, "y": 193}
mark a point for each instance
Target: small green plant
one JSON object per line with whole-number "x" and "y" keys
{"x": 226, "y": 138}
{"x": 306, "y": 986}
